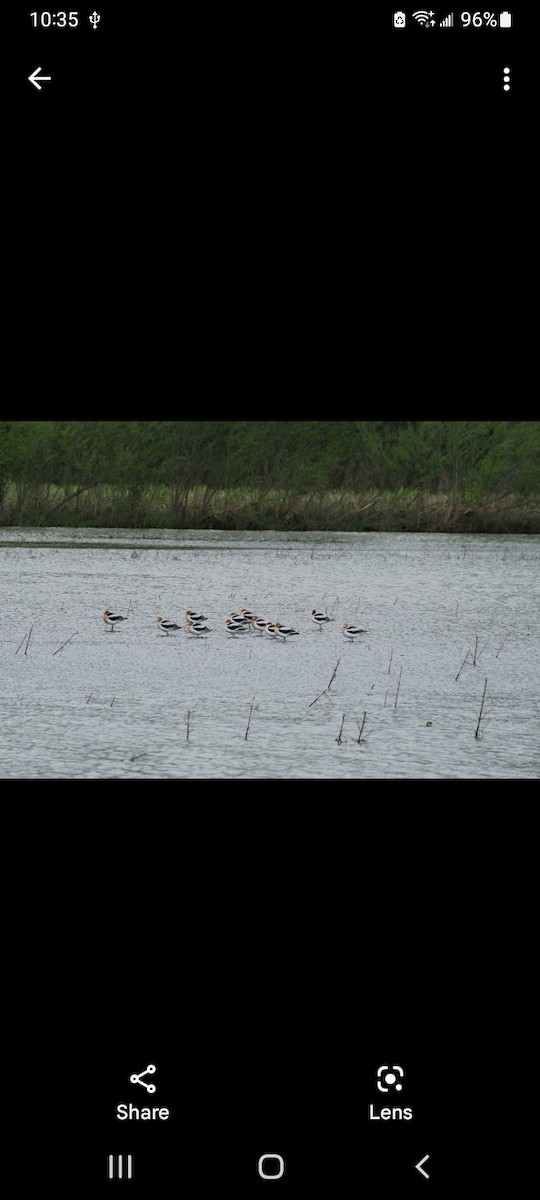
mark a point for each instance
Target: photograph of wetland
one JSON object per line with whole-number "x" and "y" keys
{"x": 282, "y": 652}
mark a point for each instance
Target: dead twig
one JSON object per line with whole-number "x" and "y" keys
{"x": 28, "y": 642}
{"x": 462, "y": 666}
{"x": 20, "y": 644}
{"x": 361, "y": 729}
{"x": 328, "y": 686}
{"x": 399, "y": 682}
{"x": 477, "y": 733}
{"x": 249, "y": 719}
{"x": 334, "y": 673}
{"x": 87, "y": 487}
{"x": 65, "y": 643}
{"x": 500, "y": 647}
{"x": 339, "y": 738}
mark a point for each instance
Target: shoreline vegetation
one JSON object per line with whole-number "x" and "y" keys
{"x": 287, "y": 476}
{"x": 402, "y": 511}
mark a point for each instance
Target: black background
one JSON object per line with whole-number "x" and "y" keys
{"x": 233, "y": 1101}
{"x": 267, "y": 959}
{"x": 292, "y": 1074}
{"x": 257, "y": 90}
{"x": 238, "y": 199}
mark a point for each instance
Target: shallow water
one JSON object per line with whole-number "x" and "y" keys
{"x": 116, "y": 705}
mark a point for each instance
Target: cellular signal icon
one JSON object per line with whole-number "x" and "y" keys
{"x": 448, "y": 22}
{"x": 423, "y": 17}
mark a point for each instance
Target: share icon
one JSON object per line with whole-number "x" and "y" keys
{"x": 150, "y": 1087}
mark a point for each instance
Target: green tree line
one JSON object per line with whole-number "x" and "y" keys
{"x": 55, "y": 464}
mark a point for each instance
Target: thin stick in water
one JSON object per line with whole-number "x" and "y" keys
{"x": 29, "y": 636}
{"x": 391, "y": 656}
{"x": 462, "y": 666}
{"x": 399, "y": 681}
{"x": 188, "y": 722}
{"x": 477, "y": 734}
{"x": 249, "y": 719}
{"x": 339, "y": 738}
{"x": 112, "y": 701}
{"x": 334, "y": 673}
{"x": 500, "y": 647}
{"x": 361, "y": 727}
{"x": 328, "y": 686}
{"x": 20, "y": 643}
{"x": 65, "y": 643}
{"x": 475, "y": 649}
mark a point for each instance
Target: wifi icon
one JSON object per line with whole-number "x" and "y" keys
{"x": 423, "y": 17}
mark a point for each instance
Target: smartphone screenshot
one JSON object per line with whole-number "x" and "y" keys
{"x": 182, "y": 167}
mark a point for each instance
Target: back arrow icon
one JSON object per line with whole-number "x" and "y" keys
{"x": 419, "y": 1166}
{"x": 34, "y": 78}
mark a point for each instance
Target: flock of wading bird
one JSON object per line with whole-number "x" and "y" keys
{"x": 237, "y": 624}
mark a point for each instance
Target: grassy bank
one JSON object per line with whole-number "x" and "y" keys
{"x": 160, "y": 507}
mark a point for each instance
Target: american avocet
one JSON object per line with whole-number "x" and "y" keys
{"x": 352, "y": 631}
{"x": 246, "y": 615}
{"x": 112, "y": 619}
{"x": 198, "y": 628}
{"x": 320, "y": 618}
{"x": 270, "y": 629}
{"x": 167, "y": 626}
{"x": 259, "y": 624}
{"x": 235, "y": 626}
{"x": 195, "y": 616}
{"x": 285, "y": 631}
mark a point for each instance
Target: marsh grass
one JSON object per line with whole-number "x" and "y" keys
{"x": 157, "y": 507}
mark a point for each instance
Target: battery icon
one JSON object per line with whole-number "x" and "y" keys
{"x": 505, "y": 20}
